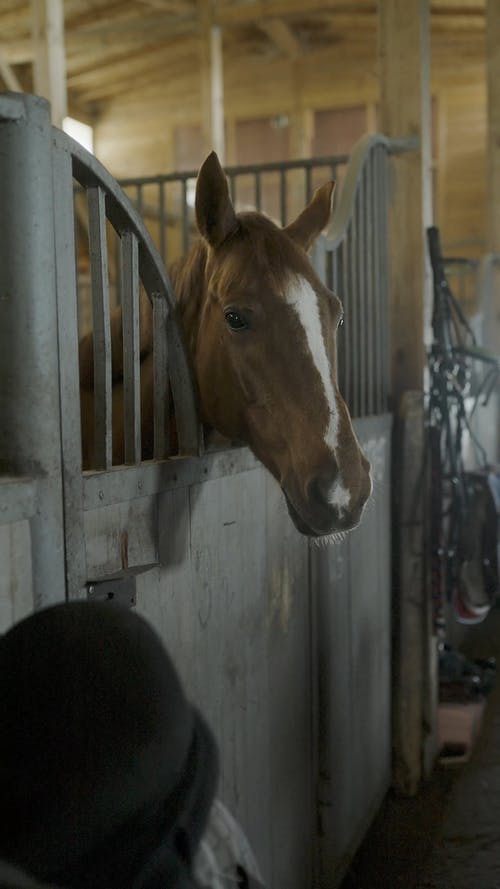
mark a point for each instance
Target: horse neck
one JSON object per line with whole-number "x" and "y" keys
{"x": 188, "y": 281}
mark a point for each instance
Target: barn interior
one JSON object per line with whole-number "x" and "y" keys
{"x": 294, "y": 80}
{"x": 284, "y": 90}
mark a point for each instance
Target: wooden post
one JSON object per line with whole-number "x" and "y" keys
{"x": 49, "y": 63}
{"x": 212, "y": 84}
{"x": 493, "y": 194}
{"x": 406, "y": 111}
{"x": 493, "y": 84}
{"x": 302, "y": 133}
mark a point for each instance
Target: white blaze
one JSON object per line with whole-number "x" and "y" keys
{"x": 302, "y": 298}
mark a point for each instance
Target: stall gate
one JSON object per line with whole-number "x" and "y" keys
{"x": 284, "y": 646}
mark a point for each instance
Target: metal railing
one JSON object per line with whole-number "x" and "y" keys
{"x": 136, "y": 263}
{"x": 352, "y": 260}
{"x": 166, "y": 202}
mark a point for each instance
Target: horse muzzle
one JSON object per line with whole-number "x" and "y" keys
{"x": 328, "y": 509}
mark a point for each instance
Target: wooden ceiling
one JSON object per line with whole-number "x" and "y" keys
{"x": 114, "y": 47}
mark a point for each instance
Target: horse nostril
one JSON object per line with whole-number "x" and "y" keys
{"x": 319, "y": 490}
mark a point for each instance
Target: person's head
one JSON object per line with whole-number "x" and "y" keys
{"x": 107, "y": 773}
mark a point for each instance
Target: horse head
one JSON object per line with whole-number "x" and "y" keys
{"x": 264, "y": 355}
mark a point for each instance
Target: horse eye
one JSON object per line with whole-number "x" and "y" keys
{"x": 340, "y": 321}
{"x": 235, "y": 321}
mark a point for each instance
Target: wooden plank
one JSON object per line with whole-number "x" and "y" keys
{"x": 411, "y": 629}
{"x": 49, "y": 66}
{"x": 405, "y": 109}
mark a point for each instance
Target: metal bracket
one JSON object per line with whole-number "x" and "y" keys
{"x": 121, "y": 590}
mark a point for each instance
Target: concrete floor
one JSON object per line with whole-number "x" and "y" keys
{"x": 449, "y": 836}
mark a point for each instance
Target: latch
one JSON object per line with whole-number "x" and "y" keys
{"x": 119, "y": 589}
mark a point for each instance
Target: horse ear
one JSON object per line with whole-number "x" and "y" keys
{"x": 306, "y": 228}
{"x": 215, "y": 215}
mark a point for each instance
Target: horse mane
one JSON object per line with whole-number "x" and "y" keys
{"x": 187, "y": 276}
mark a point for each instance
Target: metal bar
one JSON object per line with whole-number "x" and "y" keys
{"x": 353, "y": 302}
{"x": 185, "y": 218}
{"x": 376, "y": 321}
{"x": 258, "y": 192}
{"x": 391, "y": 146}
{"x": 118, "y": 271}
{"x": 163, "y": 221}
{"x": 329, "y": 269}
{"x": 361, "y": 272}
{"x": 336, "y": 275}
{"x": 232, "y": 187}
{"x": 381, "y": 283}
{"x": 283, "y": 209}
{"x": 243, "y": 170}
{"x": 30, "y": 426}
{"x": 138, "y": 198}
{"x": 345, "y": 351}
{"x": 131, "y": 348}
{"x": 384, "y": 266}
{"x": 161, "y": 393}
{"x": 308, "y": 183}
{"x": 69, "y": 376}
{"x": 103, "y": 447}
{"x": 367, "y": 316}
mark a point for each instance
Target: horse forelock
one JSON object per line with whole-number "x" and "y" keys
{"x": 256, "y": 258}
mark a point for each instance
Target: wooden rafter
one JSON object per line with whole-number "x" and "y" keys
{"x": 282, "y": 36}
{"x": 9, "y": 76}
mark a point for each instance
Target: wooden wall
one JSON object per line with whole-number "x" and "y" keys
{"x": 461, "y": 167}
{"x": 136, "y": 134}
{"x": 328, "y": 100}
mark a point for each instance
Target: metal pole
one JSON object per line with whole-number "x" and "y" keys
{"x": 30, "y": 428}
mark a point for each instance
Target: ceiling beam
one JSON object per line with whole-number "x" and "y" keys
{"x": 175, "y": 7}
{"x": 282, "y": 36}
{"x": 126, "y": 68}
{"x": 9, "y": 76}
{"x": 270, "y": 9}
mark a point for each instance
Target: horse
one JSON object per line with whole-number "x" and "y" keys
{"x": 261, "y": 331}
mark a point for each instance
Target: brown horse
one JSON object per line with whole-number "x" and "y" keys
{"x": 261, "y": 329}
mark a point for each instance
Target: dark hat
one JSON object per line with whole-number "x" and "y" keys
{"x": 98, "y": 743}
